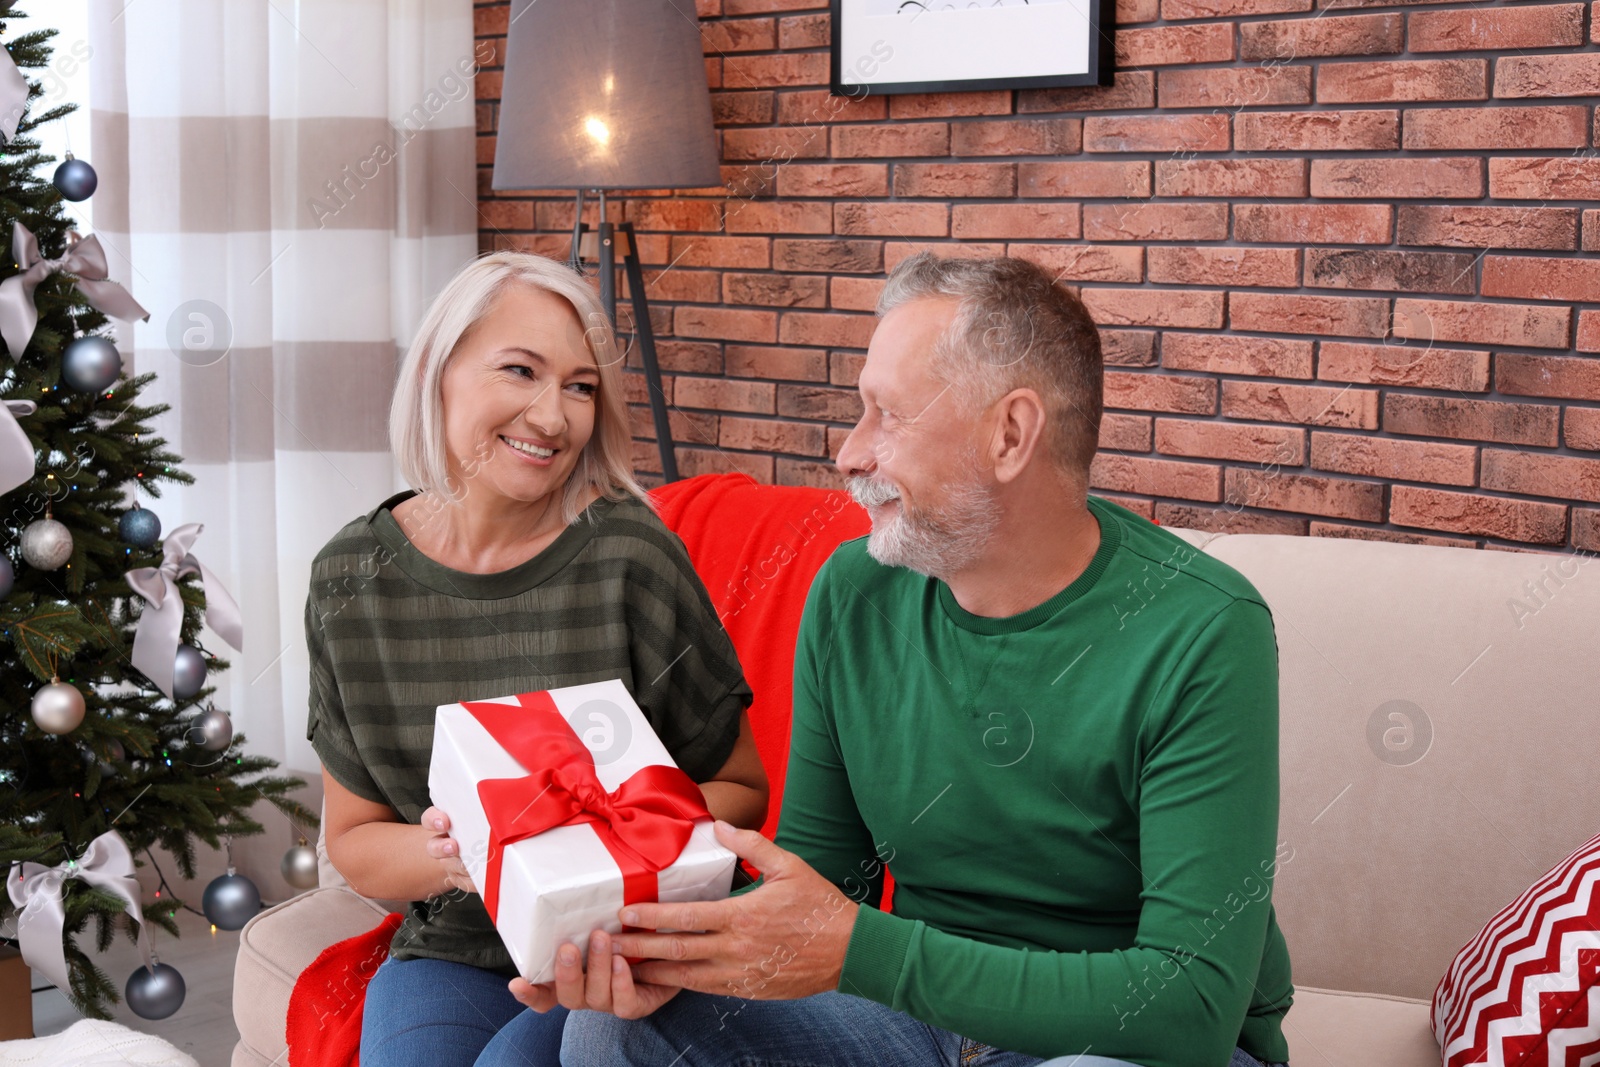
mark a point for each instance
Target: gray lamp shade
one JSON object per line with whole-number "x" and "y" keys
{"x": 605, "y": 94}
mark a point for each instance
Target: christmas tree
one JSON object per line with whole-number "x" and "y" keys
{"x": 161, "y": 769}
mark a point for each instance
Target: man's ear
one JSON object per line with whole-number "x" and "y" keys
{"x": 1019, "y": 430}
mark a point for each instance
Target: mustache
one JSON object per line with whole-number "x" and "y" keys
{"x": 869, "y": 492}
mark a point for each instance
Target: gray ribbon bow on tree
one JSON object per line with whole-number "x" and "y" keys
{"x": 13, "y": 90}
{"x": 85, "y": 259}
{"x": 36, "y": 892}
{"x": 16, "y": 451}
{"x": 155, "y": 643}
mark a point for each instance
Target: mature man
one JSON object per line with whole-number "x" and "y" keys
{"x": 1054, "y": 721}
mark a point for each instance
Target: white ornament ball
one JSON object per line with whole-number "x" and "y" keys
{"x": 46, "y": 544}
{"x": 215, "y": 727}
{"x": 58, "y": 707}
{"x": 299, "y": 866}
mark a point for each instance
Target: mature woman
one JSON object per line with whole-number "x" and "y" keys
{"x": 529, "y": 559}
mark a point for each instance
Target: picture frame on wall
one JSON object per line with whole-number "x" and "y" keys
{"x": 939, "y": 46}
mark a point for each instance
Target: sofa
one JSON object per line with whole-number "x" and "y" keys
{"x": 1438, "y": 740}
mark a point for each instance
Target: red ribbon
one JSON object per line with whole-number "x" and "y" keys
{"x": 645, "y": 824}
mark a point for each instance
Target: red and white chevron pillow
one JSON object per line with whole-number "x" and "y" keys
{"x": 1526, "y": 991}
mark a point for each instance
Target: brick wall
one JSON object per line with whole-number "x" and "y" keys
{"x": 1343, "y": 256}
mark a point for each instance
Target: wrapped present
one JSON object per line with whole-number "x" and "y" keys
{"x": 566, "y": 806}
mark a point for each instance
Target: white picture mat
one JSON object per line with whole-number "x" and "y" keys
{"x": 1004, "y": 42}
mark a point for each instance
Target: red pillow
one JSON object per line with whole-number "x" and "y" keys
{"x": 1526, "y": 990}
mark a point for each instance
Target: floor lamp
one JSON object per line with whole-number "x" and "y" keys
{"x": 608, "y": 95}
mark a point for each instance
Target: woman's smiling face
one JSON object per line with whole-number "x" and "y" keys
{"x": 519, "y": 397}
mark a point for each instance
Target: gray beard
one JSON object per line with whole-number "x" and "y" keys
{"x": 937, "y": 541}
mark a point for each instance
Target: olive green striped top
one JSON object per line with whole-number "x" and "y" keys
{"x": 392, "y": 635}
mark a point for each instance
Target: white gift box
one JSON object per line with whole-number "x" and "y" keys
{"x": 560, "y": 885}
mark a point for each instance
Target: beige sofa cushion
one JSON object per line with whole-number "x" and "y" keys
{"x": 274, "y": 947}
{"x": 1330, "y": 1028}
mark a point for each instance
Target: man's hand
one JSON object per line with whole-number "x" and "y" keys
{"x": 443, "y": 849}
{"x": 784, "y": 940}
{"x": 605, "y": 985}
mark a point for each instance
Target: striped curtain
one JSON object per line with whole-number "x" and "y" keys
{"x": 284, "y": 185}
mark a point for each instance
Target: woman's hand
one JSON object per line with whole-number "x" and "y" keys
{"x": 607, "y": 986}
{"x": 444, "y": 849}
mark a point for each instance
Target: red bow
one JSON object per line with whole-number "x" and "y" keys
{"x": 645, "y": 824}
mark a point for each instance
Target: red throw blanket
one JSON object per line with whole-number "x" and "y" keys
{"x": 324, "y": 1024}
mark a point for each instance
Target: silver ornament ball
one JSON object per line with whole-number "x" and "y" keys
{"x": 155, "y": 992}
{"x": 299, "y": 866}
{"x": 230, "y": 900}
{"x": 216, "y": 729}
{"x": 140, "y": 527}
{"x": 58, "y": 707}
{"x": 46, "y": 544}
{"x": 75, "y": 179}
{"x": 188, "y": 673}
{"x": 91, "y": 364}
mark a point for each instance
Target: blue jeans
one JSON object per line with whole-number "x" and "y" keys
{"x": 826, "y": 1030}
{"x": 429, "y": 1013}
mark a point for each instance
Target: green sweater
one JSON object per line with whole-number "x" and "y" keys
{"x": 1079, "y": 803}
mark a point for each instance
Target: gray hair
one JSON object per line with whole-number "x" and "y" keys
{"x": 416, "y": 416}
{"x": 1014, "y": 328}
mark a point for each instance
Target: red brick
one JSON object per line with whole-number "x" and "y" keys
{"x": 829, "y": 329}
{"x": 1457, "y": 369}
{"x": 739, "y": 35}
{"x": 1588, "y": 331}
{"x": 1435, "y": 178}
{"x": 1317, "y": 131}
{"x": 506, "y": 214}
{"x": 844, "y": 368}
{"x": 1471, "y": 420}
{"x": 1496, "y": 29}
{"x": 1586, "y": 521}
{"x": 1346, "y": 316}
{"x": 854, "y": 294}
{"x": 1169, "y": 45}
{"x": 1155, "y": 391}
{"x": 774, "y": 145}
{"x": 950, "y": 105}
{"x": 635, "y": 390}
{"x": 675, "y": 215}
{"x": 1375, "y": 268}
{"x": 1369, "y": 533}
{"x": 1134, "y": 504}
{"x": 1083, "y": 262}
{"x": 1126, "y": 433}
{"x": 749, "y": 181}
{"x": 1309, "y": 494}
{"x": 895, "y": 252}
{"x": 489, "y": 21}
{"x": 819, "y": 402}
{"x": 1581, "y": 429}
{"x": 775, "y": 290}
{"x": 1016, "y": 137}
{"x": 1122, "y": 178}
{"x": 1488, "y": 227}
{"x": 697, "y": 461}
{"x": 1128, "y": 89}
{"x": 1155, "y": 222}
{"x": 1545, "y": 76}
{"x": 836, "y": 256}
{"x": 725, "y": 324}
{"x": 1313, "y": 223}
{"x": 901, "y": 139}
{"x": 955, "y": 179}
{"x": 801, "y": 364}
{"x": 1231, "y": 177}
{"x": 683, "y": 357}
{"x": 766, "y": 72}
{"x": 809, "y": 472}
{"x": 891, "y": 220}
{"x": 1185, "y": 308}
{"x": 764, "y": 7}
{"x": 1208, "y": 9}
{"x": 803, "y": 31}
{"x": 1381, "y": 457}
{"x": 1496, "y": 127}
{"x": 833, "y": 179}
{"x": 1131, "y": 11}
{"x": 1155, "y": 477}
{"x": 1222, "y": 440}
{"x": 1225, "y": 266}
{"x": 1591, "y": 228}
{"x": 809, "y": 106}
{"x": 744, "y": 109}
{"x": 1542, "y": 277}
{"x": 1234, "y": 87}
{"x": 1128, "y": 348}
{"x": 1566, "y": 377}
{"x": 1350, "y": 35}
{"x": 1544, "y": 178}
{"x": 1220, "y": 353}
{"x": 1395, "y": 80}
{"x": 1477, "y": 322}
{"x": 1472, "y": 513}
{"x": 1156, "y": 133}
{"x": 1054, "y": 220}
{"x": 1227, "y": 520}
{"x": 780, "y": 216}
{"x": 1305, "y": 405}
{"x": 723, "y": 394}
{"x": 1533, "y": 474}
{"x": 772, "y": 435}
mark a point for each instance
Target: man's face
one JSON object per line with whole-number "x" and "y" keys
{"x": 913, "y": 461}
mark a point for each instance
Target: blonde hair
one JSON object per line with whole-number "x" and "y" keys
{"x": 416, "y": 416}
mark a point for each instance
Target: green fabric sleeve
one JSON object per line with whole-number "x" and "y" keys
{"x": 327, "y": 728}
